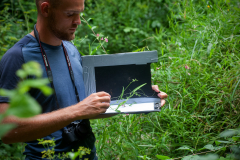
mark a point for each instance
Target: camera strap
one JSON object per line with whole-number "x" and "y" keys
{"x": 48, "y": 68}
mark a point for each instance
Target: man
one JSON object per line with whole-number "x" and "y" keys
{"x": 57, "y": 21}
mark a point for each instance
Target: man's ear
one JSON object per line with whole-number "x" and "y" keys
{"x": 44, "y": 7}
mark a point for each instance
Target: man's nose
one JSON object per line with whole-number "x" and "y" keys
{"x": 77, "y": 19}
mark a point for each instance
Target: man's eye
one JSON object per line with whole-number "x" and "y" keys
{"x": 70, "y": 14}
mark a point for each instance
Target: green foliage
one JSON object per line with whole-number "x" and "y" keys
{"x": 21, "y": 103}
{"x": 127, "y": 24}
{"x": 17, "y": 17}
{"x": 12, "y": 151}
{"x": 49, "y": 152}
{"x": 49, "y": 148}
{"x": 97, "y": 46}
{"x": 199, "y": 69}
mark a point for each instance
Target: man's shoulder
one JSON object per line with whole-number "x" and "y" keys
{"x": 16, "y": 50}
{"x": 69, "y": 44}
{"x": 71, "y": 48}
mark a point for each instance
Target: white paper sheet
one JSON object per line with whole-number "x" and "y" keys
{"x": 131, "y": 108}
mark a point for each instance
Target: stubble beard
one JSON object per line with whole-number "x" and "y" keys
{"x": 60, "y": 34}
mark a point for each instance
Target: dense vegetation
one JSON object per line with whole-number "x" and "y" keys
{"x": 198, "y": 43}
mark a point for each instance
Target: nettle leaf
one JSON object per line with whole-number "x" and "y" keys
{"x": 30, "y": 68}
{"x": 41, "y": 84}
{"x": 191, "y": 157}
{"x": 185, "y": 148}
{"x": 23, "y": 106}
{"x": 46, "y": 90}
{"x": 209, "y": 156}
{"x": 230, "y": 133}
{"x": 21, "y": 73}
{"x": 5, "y": 128}
{"x": 163, "y": 157}
{"x": 8, "y": 93}
{"x": 210, "y": 147}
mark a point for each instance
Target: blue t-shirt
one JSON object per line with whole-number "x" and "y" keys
{"x": 27, "y": 49}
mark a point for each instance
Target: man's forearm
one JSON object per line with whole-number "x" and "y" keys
{"x": 39, "y": 126}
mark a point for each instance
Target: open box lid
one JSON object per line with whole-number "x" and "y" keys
{"x": 114, "y": 73}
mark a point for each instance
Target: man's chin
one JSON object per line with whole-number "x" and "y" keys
{"x": 68, "y": 38}
{"x": 72, "y": 37}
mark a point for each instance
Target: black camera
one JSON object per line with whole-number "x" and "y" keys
{"x": 77, "y": 130}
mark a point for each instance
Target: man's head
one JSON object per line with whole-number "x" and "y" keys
{"x": 61, "y": 17}
{"x": 53, "y": 3}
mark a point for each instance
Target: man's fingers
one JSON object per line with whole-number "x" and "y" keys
{"x": 102, "y": 93}
{"x": 163, "y": 102}
{"x": 155, "y": 88}
{"x": 105, "y": 99}
{"x": 162, "y": 95}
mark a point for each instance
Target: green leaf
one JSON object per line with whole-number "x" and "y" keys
{"x": 191, "y": 157}
{"x": 121, "y": 96}
{"x": 82, "y": 53}
{"x": 209, "y": 147}
{"x": 41, "y": 84}
{"x": 5, "y": 128}
{"x": 73, "y": 155}
{"x": 185, "y": 148}
{"x": 46, "y": 90}
{"x": 21, "y": 73}
{"x": 208, "y": 156}
{"x": 82, "y": 14}
{"x": 230, "y": 133}
{"x": 30, "y": 68}
{"x": 163, "y": 157}
{"x": 90, "y": 49}
{"x": 95, "y": 49}
{"x": 236, "y": 138}
{"x": 118, "y": 111}
{"x": 90, "y": 26}
{"x": 217, "y": 143}
{"x": 220, "y": 141}
{"x": 137, "y": 88}
{"x": 89, "y": 19}
{"x": 127, "y": 29}
{"x": 7, "y": 93}
{"x": 23, "y": 106}
{"x": 156, "y": 23}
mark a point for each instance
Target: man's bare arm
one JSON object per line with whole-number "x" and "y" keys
{"x": 39, "y": 126}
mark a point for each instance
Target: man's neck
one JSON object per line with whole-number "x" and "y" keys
{"x": 46, "y": 36}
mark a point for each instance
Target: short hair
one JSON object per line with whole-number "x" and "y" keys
{"x": 54, "y": 3}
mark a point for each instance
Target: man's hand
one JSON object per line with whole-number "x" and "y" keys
{"x": 95, "y": 104}
{"x": 161, "y": 94}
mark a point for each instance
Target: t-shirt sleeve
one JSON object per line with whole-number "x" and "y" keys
{"x": 11, "y": 61}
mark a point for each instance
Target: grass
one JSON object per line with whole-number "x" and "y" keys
{"x": 199, "y": 69}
